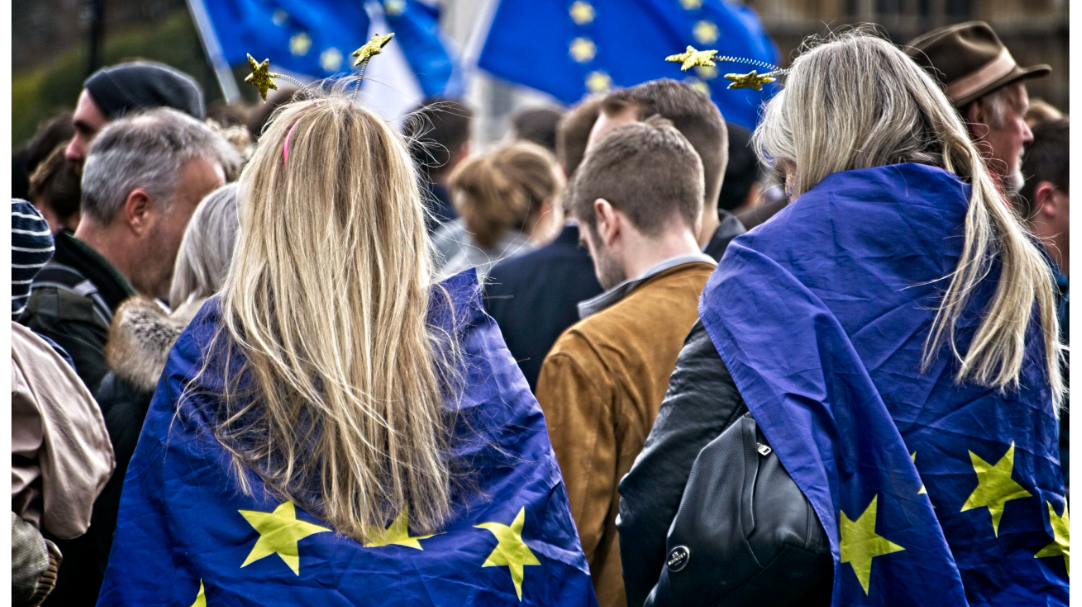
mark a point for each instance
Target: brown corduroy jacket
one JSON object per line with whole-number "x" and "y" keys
{"x": 600, "y": 388}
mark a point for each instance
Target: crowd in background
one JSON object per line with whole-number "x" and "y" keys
{"x": 593, "y": 232}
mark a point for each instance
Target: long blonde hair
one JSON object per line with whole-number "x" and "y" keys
{"x": 855, "y": 101}
{"x": 338, "y": 401}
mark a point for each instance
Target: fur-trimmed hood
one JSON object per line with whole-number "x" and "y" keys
{"x": 142, "y": 333}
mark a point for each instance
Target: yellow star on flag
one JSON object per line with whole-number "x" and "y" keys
{"x": 511, "y": 551}
{"x": 279, "y": 532}
{"x": 582, "y": 50}
{"x": 397, "y": 534}
{"x": 582, "y": 12}
{"x": 698, "y": 85}
{"x": 693, "y": 58}
{"x": 706, "y": 72}
{"x": 201, "y": 598}
{"x": 691, "y": 4}
{"x": 913, "y": 456}
{"x": 261, "y": 76}
{"x": 859, "y": 543}
{"x": 371, "y": 48}
{"x": 394, "y": 8}
{"x": 330, "y": 60}
{"x": 706, "y": 32}
{"x": 598, "y": 82}
{"x": 995, "y": 487}
{"x": 1061, "y": 543}
{"x": 279, "y": 17}
{"x": 751, "y": 80}
{"x": 300, "y": 43}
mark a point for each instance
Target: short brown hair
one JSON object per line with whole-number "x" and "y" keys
{"x": 647, "y": 170}
{"x": 436, "y": 130}
{"x": 1046, "y": 159}
{"x": 692, "y": 113}
{"x": 537, "y": 125}
{"x": 502, "y": 189}
{"x": 55, "y": 183}
{"x": 573, "y": 133}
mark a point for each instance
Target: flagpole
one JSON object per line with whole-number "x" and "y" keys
{"x": 213, "y": 50}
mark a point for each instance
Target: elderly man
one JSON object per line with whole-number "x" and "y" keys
{"x": 111, "y": 92}
{"x": 142, "y": 180}
{"x": 988, "y": 88}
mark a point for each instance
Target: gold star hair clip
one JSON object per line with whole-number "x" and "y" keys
{"x": 262, "y": 77}
{"x": 370, "y": 49}
{"x": 752, "y": 80}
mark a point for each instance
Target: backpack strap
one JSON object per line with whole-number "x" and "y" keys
{"x": 67, "y": 278}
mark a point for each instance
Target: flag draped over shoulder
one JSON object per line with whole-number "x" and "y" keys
{"x": 187, "y": 536}
{"x": 315, "y": 37}
{"x": 572, "y": 48}
{"x": 932, "y": 493}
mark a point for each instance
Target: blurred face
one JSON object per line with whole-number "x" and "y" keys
{"x": 606, "y": 122}
{"x": 154, "y": 276}
{"x": 1006, "y": 139}
{"x": 88, "y": 121}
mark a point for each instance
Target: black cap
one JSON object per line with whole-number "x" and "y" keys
{"x": 144, "y": 84}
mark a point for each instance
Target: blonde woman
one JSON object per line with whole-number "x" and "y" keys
{"x": 508, "y": 200}
{"x": 333, "y": 428}
{"x": 893, "y": 334}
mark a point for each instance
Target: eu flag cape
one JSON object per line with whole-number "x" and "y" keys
{"x": 932, "y": 492}
{"x": 187, "y": 536}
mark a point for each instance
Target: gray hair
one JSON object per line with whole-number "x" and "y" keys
{"x": 207, "y": 247}
{"x": 146, "y": 150}
{"x": 855, "y": 101}
{"x": 999, "y": 100}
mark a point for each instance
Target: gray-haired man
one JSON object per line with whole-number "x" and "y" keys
{"x": 143, "y": 178}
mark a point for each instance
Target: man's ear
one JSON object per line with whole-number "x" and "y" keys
{"x": 1044, "y": 200}
{"x": 608, "y": 221}
{"x": 139, "y": 211}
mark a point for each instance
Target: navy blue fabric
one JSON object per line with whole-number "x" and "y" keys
{"x": 31, "y": 248}
{"x": 179, "y": 524}
{"x": 534, "y": 297}
{"x": 821, "y": 315}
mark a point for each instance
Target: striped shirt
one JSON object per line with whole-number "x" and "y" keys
{"x": 31, "y": 249}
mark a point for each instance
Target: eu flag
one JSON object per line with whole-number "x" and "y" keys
{"x": 315, "y": 37}
{"x": 931, "y": 492}
{"x": 186, "y": 535}
{"x": 572, "y": 48}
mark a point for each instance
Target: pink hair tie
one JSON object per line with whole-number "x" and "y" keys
{"x": 285, "y": 148}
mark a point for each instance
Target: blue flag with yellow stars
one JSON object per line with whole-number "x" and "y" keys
{"x": 932, "y": 492}
{"x": 574, "y": 48}
{"x": 187, "y": 536}
{"x": 315, "y": 37}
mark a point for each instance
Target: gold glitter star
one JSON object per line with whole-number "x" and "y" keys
{"x": 751, "y": 80}
{"x": 693, "y": 58}
{"x": 371, "y": 48}
{"x": 1061, "y": 542}
{"x": 261, "y": 76}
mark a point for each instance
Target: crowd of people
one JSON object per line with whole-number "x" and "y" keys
{"x": 256, "y": 352}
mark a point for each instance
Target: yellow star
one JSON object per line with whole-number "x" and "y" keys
{"x": 201, "y": 598}
{"x": 995, "y": 487}
{"x": 598, "y": 82}
{"x": 397, "y": 534}
{"x": 279, "y": 17}
{"x": 706, "y": 72}
{"x": 582, "y": 12}
{"x": 583, "y": 50}
{"x": 261, "y": 76}
{"x": 859, "y": 543}
{"x": 693, "y": 58}
{"x": 330, "y": 60}
{"x": 751, "y": 80}
{"x": 511, "y": 551}
{"x": 371, "y": 48}
{"x": 1061, "y": 544}
{"x": 698, "y": 85}
{"x": 394, "y": 8}
{"x": 300, "y": 43}
{"x": 691, "y": 4}
{"x": 279, "y": 532}
{"x": 913, "y": 456}
{"x": 706, "y": 32}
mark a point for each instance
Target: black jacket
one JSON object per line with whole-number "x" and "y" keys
{"x": 702, "y": 401}
{"x": 534, "y": 297}
{"x": 729, "y": 228}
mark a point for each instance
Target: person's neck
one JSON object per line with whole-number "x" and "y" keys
{"x": 710, "y": 225}
{"x": 650, "y": 251}
{"x": 1056, "y": 242}
{"x": 101, "y": 239}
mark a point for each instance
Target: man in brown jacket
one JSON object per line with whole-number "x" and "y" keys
{"x": 638, "y": 197}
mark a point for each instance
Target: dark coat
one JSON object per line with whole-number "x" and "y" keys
{"x": 729, "y": 228}
{"x": 534, "y": 297}
{"x": 702, "y": 401}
